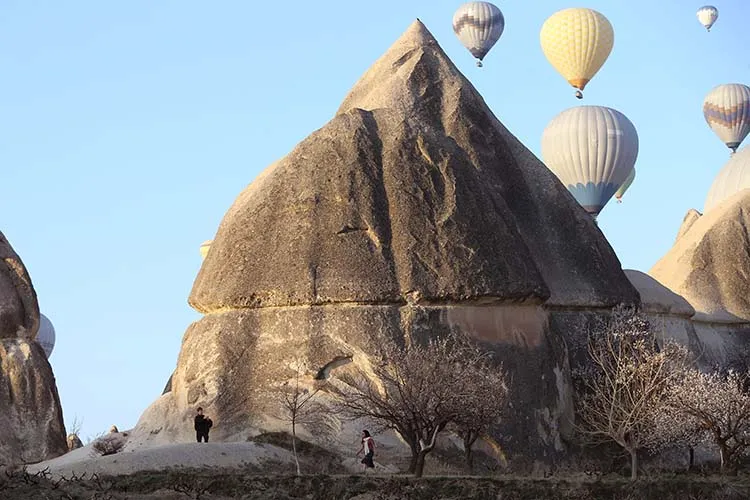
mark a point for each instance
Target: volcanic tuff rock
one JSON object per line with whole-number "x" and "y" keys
{"x": 710, "y": 264}
{"x": 19, "y": 310}
{"x": 31, "y": 424}
{"x": 411, "y": 213}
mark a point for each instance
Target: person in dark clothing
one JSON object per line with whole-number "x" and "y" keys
{"x": 202, "y": 426}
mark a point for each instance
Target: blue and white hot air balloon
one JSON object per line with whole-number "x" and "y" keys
{"x": 733, "y": 178}
{"x": 592, "y": 150}
{"x": 707, "y": 16}
{"x": 46, "y": 335}
{"x": 478, "y": 25}
{"x": 727, "y": 111}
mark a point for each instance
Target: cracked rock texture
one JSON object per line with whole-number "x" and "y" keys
{"x": 411, "y": 213}
{"x": 31, "y": 422}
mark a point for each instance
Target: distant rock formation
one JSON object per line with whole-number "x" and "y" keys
{"x": 31, "y": 423}
{"x": 709, "y": 265}
{"x": 411, "y": 213}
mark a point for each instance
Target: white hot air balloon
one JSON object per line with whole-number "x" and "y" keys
{"x": 592, "y": 150}
{"x": 733, "y": 178}
{"x": 46, "y": 335}
{"x": 707, "y": 16}
{"x": 727, "y": 111}
{"x": 478, "y": 25}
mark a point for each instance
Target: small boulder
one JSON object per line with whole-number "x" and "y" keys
{"x": 74, "y": 442}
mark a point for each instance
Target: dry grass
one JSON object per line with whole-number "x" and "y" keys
{"x": 216, "y": 484}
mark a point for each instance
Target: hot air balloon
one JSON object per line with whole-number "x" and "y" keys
{"x": 727, "y": 111}
{"x": 733, "y": 178}
{"x": 707, "y": 16}
{"x": 478, "y": 25}
{"x": 625, "y": 185}
{"x": 46, "y": 335}
{"x": 577, "y": 42}
{"x": 592, "y": 150}
{"x": 204, "y": 248}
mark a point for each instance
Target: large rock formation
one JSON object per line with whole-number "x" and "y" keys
{"x": 411, "y": 213}
{"x": 709, "y": 265}
{"x": 31, "y": 423}
{"x": 19, "y": 310}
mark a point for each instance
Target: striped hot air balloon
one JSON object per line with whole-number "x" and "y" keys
{"x": 625, "y": 186}
{"x": 577, "y": 42}
{"x": 727, "y": 111}
{"x": 592, "y": 150}
{"x": 707, "y": 16}
{"x": 733, "y": 178}
{"x": 478, "y": 25}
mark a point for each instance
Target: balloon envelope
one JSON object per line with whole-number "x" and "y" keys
{"x": 204, "y": 248}
{"x": 727, "y": 111}
{"x": 577, "y": 42}
{"x": 625, "y": 185}
{"x": 478, "y": 26}
{"x": 46, "y": 335}
{"x": 592, "y": 150}
{"x": 733, "y": 178}
{"x": 707, "y": 16}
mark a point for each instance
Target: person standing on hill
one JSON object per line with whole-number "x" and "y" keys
{"x": 202, "y": 425}
{"x": 368, "y": 447}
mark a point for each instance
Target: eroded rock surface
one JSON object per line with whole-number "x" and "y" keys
{"x": 31, "y": 422}
{"x": 411, "y": 213}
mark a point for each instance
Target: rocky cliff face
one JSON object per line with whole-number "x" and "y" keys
{"x": 411, "y": 213}
{"x": 709, "y": 265}
{"x": 31, "y": 423}
{"x": 19, "y": 310}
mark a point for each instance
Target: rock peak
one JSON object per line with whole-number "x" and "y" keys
{"x": 414, "y": 69}
{"x": 417, "y": 34}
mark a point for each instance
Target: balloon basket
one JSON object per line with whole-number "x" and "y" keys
{"x": 479, "y": 64}
{"x": 579, "y": 94}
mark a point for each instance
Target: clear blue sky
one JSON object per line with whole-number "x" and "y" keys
{"x": 127, "y": 129}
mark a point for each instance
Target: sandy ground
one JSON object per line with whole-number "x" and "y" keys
{"x": 172, "y": 456}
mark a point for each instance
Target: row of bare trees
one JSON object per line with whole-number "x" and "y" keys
{"x": 418, "y": 391}
{"x": 645, "y": 396}
{"x": 633, "y": 391}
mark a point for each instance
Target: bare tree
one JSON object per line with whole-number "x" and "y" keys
{"x": 622, "y": 393}
{"x": 718, "y": 406}
{"x": 417, "y": 391}
{"x": 298, "y": 407}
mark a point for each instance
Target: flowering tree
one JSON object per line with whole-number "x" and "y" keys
{"x": 622, "y": 392}
{"x": 418, "y": 390}
{"x": 718, "y": 406}
{"x": 481, "y": 409}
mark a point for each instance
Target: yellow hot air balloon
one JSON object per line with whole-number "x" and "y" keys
{"x": 577, "y": 42}
{"x": 204, "y": 248}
